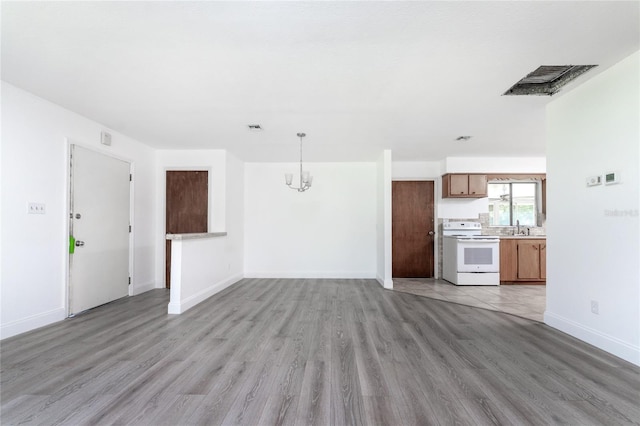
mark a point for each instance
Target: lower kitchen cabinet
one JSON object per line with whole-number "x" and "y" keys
{"x": 508, "y": 260}
{"x": 523, "y": 260}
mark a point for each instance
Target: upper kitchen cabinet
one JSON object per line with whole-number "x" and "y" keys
{"x": 456, "y": 185}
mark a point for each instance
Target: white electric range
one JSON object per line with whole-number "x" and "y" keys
{"x": 468, "y": 257}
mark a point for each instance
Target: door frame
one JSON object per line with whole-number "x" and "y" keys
{"x": 437, "y": 187}
{"x": 68, "y": 212}
{"x": 163, "y": 206}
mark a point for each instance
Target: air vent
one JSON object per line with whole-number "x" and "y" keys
{"x": 463, "y": 138}
{"x": 547, "y": 79}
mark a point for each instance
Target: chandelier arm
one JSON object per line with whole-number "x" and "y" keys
{"x": 299, "y": 189}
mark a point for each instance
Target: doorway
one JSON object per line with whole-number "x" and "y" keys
{"x": 99, "y": 219}
{"x": 412, "y": 231}
{"x": 187, "y": 207}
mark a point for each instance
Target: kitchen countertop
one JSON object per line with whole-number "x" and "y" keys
{"x": 195, "y": 236}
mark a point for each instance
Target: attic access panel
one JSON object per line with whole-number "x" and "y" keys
{"x": 547, "y": 79}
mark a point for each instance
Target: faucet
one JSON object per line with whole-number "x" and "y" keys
{"x": 518, "y": 226}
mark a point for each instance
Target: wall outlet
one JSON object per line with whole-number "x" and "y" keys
{"x": 595, "y": 309}
{"x": 37, "y": 208}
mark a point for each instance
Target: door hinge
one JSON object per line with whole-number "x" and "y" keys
{"x": 130, "y": 177}
{"x": 129, "y": 280}
{"x": 129, "y": 228}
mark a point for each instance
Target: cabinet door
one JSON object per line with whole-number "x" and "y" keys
{"x": 508, "y": 260}
{"x": 478, "y": 185}
{"x": 529, "y": 260}
{"x": 459, "y": 184}
{"x": 543, "y": 261}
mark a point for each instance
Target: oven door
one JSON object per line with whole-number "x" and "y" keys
{"x": 478, "y": 255}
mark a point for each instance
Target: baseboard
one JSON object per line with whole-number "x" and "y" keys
{"x": 319, "y": 275}
{"x": 594, "y": 337}
{"x": 23, "y": 325}
{"x": 139, "y": 289}
{"x": 201, "y": 296}
{"x": 388, "y": 283}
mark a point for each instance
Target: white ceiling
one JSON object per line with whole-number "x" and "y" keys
{"x": 357, "y": 77}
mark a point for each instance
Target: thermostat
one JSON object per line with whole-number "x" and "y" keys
{"x": 611, "y": 177}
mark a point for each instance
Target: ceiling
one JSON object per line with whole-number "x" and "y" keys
{"x": 357, "y": 77}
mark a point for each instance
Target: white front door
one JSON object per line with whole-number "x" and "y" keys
{"x": 99, "y": 223}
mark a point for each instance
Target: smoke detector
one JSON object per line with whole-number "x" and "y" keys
{"x": 547, "y": 79}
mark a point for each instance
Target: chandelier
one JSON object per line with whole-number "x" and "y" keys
{"x": 305, "y": 178}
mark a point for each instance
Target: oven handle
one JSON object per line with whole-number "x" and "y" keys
{"x": 478, "y": 241}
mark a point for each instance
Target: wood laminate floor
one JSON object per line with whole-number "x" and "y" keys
{"x": 319, "y": 352}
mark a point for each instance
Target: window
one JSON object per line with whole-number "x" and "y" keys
{"x": 511, "y": 202}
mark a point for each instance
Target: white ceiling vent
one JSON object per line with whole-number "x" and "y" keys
{"x": 547, "y": 79}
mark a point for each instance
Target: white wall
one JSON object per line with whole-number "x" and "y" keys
{"x": 199, "y": 269}
{"x": 594, "y": 233}
{"x": 495, "y": 165}
{"x": 234, "y": 216}
{"x": 384, "y": 237}
{"x": 34, "y": 169}
{"x": 415, "y": 170}
{"x": 327, "y": 231}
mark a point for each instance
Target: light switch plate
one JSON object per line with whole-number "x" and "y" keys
{"x": 594, "y": 180}
{"x": 105, "y": 138}
{"x": 37, "y": 208}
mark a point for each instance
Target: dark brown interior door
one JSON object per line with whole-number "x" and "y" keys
{"x": 412, "y": 229}
{"x": 187, "y": 207}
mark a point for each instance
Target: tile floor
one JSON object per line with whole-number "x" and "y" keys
{"x": 527, "y": 301}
